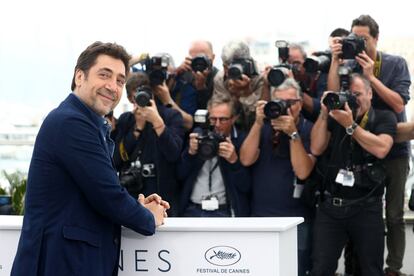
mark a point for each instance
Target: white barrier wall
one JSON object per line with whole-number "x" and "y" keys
{"x": 194, "y": 246}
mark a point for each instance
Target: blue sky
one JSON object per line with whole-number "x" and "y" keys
{"x": 40, "y": 40}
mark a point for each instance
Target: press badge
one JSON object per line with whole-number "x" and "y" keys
{"x": 210, "y": 204}
{"x": 345, "y": 177}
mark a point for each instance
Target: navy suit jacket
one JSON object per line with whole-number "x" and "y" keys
{"x": 74, "y": 204}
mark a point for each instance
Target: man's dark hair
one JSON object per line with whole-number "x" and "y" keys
{"x": 339, "y": 32}
{"x": 88, "y": 57}
{"x": 366, "y": 20}
{"x": 135, "y": 80}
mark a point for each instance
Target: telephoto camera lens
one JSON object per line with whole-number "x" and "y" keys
{"x": 143, "y": 96}
{"x": 331, "y": 101}
{"x": 275, "y": 108}
{"x": 200, "y": 63}
{"x": 277, "y": 76}
{"x": 235, "y": 71}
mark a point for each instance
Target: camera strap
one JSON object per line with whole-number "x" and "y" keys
{"x": 210, "y": 173}
{"x": 377, "y": 65}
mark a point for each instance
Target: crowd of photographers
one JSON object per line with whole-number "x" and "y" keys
{"x": 310, "y": 137}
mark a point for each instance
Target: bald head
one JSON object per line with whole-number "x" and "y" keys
{"x": 201, "y": 47}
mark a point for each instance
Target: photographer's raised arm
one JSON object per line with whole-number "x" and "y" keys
{"x": 333, "y": 77}
{"x": 163, "y": 94}
{"x": 249, "y": 151}
{"x": 390, "y": 97}
{"x": 320, "y": 135}
{"x": 378, "y": 145}
{"x": 405, "y": 132}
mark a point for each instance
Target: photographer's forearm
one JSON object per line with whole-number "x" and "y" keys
{"x": 333, "y": 77}
{"x": 249, "y": 151}
{"x": 390, "y": 97}
{"x": 378, "y": 145}
{"x": 405, "y": 132}
{"x": 187, "y": 118}
{"x": 302, "y": 162}
{"x": 307, "y": 103}
{"x": 320, "y": 135}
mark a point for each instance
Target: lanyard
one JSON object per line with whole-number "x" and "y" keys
{"x": 377, "y": 65}
{"x": 212, "y": 168}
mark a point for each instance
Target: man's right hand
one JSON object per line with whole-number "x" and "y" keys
{"x": 336, "y": 49}
{"x": 260, "y": 112}
{"x": 185, "y": 66}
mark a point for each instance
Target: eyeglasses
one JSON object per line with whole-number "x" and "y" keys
{"x": 213, "y": 120}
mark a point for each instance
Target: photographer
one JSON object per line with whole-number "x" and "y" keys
{"x": 354, "y": 141}
{"x": 390, "y": 81}
{"x": 277, "y": 149}
{"x": 193, "y": 84}
{"x": 148, "y": 143}
{"x": 215, "y": 184}
{"x": 240, "y": 80}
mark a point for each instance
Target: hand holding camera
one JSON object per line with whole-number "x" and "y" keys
{"x": 260, "y": 112}
{"x": 329, "y": 103}
{"x": 366, "y": 63}
{"x": 228, "y": 151}
{"x": 285, "y": 123}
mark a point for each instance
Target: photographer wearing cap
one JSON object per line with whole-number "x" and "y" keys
{"x": 390, "y": 81}
{"x": 148, "y": 142}
{"x": 215, "y": 184}
{"x": 194, "y": 84}
{"x": 241, "y": 80}
{"x": 277, "y": 149}
{"x": 354, "y": 137}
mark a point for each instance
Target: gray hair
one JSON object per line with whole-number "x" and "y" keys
{"x": 299, "y": 47}
{"x": 365, "y": 81}
{"x": 287, "y": 84}
{"x": 235, "y": 49}
{"x": 221, "y": 98}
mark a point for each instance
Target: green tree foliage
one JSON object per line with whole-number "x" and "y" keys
{"x": 17, "y": 190}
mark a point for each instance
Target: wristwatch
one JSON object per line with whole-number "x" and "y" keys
{"x": 351, "y": 129}
{"x": 294, "y": 135}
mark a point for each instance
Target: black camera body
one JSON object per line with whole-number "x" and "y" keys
{"x": 318, "y": 62}
{"x": 143, "y": 95}
{"x": 157, "y": 69}
{"x": 352, "y": 45}
{"x": 239, "y": 66}
{"x": 130, "y": 178}
{"x": 208, "y": 144}
{"x": 278, "y": 73}
{"x": 276, "y": 108}
{"x": 208, "y": 140}
{"x": 337, "y": 100}
{"x": 200, "y": 63}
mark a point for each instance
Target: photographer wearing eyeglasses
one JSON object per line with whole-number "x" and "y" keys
{"x": 390, "y": 82}
{"x": 215, "y": 184}
{"x": 277, "y": 151}
{"x": 354, "y": 137}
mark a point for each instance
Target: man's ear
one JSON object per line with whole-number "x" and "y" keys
{"x": 79, "y": 77}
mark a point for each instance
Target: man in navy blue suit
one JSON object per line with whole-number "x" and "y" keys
{"x": 74, "y": 204}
